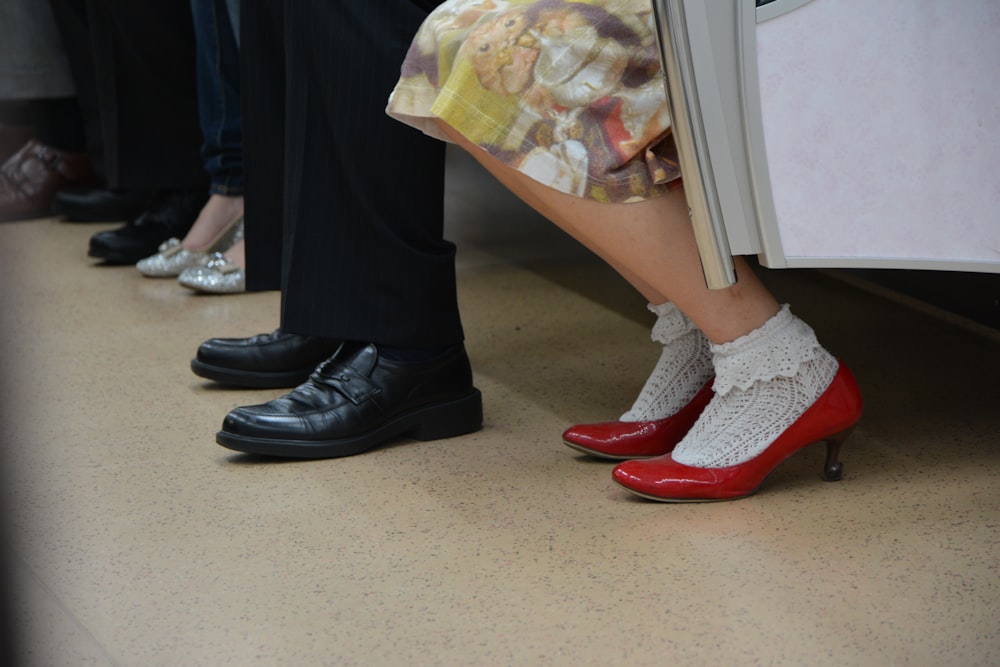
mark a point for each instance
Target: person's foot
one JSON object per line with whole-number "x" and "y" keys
{"x": 218, "y": 275}
{"x": 30, "y": 178}
{"x": 776, "y": 391}
{"x": 237, "y": 254}
{"x": 830, "y": 419}
{"x": 221, "y": 273}
{"x": 169, "y": 214}
{"x": 266, "y": 361}
{"x": 621, "y": 440}
{"x": 218, "y": 229}
{"x": 357, "y": 400}
{"x": 217, "y": 218}
{"x": 674, "y": 395}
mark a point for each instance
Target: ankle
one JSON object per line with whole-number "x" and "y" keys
{"x": 237, "y": 254}
{"x": 764, "y": 382}
{"x": 684, "y": 366}
{"x": 219, "y": 214}
{"x": 775, "y": 349}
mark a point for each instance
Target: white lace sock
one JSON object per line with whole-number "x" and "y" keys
{"x": 685, "y": 365}
{"x": 764, "y": 381}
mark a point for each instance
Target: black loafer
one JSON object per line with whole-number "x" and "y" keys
{"x": 169, "y": 215}
{"x": 266, "y": 361}
{"x": 96, "y": 205}
{"x": 356, "y": 401}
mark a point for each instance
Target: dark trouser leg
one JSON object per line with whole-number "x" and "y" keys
{"x": 364, "y": 257}
{"x": 262, "y": 69}
{"x": 71, "y": 18}
{"x": 144, "y": 54}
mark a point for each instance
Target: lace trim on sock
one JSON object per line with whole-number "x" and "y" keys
{"x": 670, "y": 323}
{"x": 684, "y": 366}
{"x": 738, "y": 426}
{"x": 777, "y": 349}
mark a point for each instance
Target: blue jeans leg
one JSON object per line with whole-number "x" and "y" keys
{"x": 218, "y": 68}
{"x": 233, "y": 7}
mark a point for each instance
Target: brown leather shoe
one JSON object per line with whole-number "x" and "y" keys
{"x": 30, "y": 178}
{"x": 12, "y": 139}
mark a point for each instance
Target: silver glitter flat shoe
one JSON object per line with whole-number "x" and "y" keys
{"x": 217, "y": 276}
{"x": 172, "y": 258}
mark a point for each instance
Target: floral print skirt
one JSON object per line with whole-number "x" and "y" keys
{"x": 570, "y": 93}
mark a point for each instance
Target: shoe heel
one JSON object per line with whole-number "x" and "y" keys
{"x": 464, "y": 415}
{"x": 833, "y": 469}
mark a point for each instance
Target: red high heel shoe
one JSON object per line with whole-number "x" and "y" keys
{"x": 831, "y": 419}
{"x": 620, "y": 441}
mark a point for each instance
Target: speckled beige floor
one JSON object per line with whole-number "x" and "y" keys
{"x": 138, "y": 541}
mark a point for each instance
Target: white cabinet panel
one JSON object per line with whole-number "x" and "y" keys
{"x": 839, "y": 133}
{"x": 882, "y": 130}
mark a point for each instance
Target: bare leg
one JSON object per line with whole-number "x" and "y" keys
{"x": 218, "y": 212}
{"x": 237, "y": 254}
{"x": 769, "y": 367}
{"x": 651, "y": 244}
{"x": 545, "y": 207}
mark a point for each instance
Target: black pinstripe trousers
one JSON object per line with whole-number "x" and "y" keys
{"x": 344, "y": 205}
{"x": 134, "y": 68}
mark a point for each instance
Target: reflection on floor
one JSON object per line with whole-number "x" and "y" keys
{"x": 138, "y": 541}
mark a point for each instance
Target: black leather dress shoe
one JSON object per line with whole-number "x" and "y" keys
{"x": 356, "y": 401}
{"x": 169, "y": 215}
{"x": 97, "y": 205}
{"x": 266, "y": 361}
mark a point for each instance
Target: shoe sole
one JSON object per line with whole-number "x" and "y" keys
{"x": 251, "y": 379}
{"x": 117, "y": 258}
{"x": 606, "y": 457}
{"x": 681, "y": 501}
{"x": 431, "y": 422}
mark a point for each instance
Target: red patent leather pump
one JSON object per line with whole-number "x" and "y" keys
{"x": 620, "y": 441}
{"x": 830, "y": 419}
